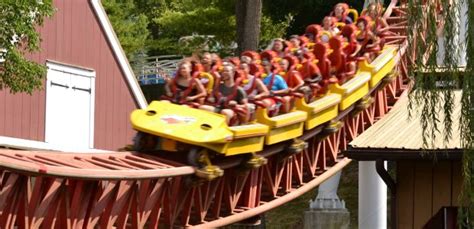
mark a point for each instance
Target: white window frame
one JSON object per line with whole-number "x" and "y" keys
{"x": 75, "y": 70}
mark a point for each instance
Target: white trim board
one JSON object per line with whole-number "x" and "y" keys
{"x": 119, "y": 53}
{"x": 24, "y": 144}
{"x": 71, "y": 69}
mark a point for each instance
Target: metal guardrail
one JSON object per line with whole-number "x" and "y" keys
{"x": 153, "y": 70}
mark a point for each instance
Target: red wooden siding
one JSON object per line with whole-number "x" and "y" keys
{"x": 423, "y": 188}
{"x": 22, "y": 115}
{"x": 74, "y": 36}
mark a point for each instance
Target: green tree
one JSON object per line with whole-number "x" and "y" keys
{"x": 130, "y": 24}
{"x": 304, "y": 12}
{"x": 212, "y": 17}
{"x": 183, "y": 18}
{"x": 169, "y": 20}
{"x": 17, "y": 37}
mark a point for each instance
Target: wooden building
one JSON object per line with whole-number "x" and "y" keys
{"x": 427, "y": 183}
{"x": 89, "y": 91}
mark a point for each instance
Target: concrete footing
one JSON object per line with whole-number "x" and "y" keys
{"x": 327, "y": 219}
{"x": 327, "y": 211}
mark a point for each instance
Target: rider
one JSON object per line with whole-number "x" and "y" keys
{"x": 329, "y": 25}
{"x": 290, "y": 74}
{"x": 369, "y": 43}
{"x": 341, "y": 13}
{"x": 254, "y": 88}
{"x": 353, "y": 47}
{"x": 295, "y": 40}
{"x": 184, "y": 88}
{"x": 298, "y": 44}
{"x": 228, "y": 97}
{"x": 278, "y": 45}
{"x": 210, "y": 61}
{"x": 252, "y": 85}
{"x": 311, "y": 76}
{"x": 341, "y": 67}
{"x": 313, "y": 32}
{"x": 277, "y": 86}
{"x": 374, "y": 11}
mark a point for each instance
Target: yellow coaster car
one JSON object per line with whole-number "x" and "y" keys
{"x": 319, "y": 111}
{"x": 282, "y": 127}
{"x": 170, "y": 127}
{"x": 352, "y": 90}
{"x": 367, "y": 76}
{"x": 381, "y": 66}
{"x": 175, "y": 123}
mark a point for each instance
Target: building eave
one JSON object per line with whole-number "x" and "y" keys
{"x": 373, "y": 154}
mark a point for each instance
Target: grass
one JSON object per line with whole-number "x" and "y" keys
{"x": 291, "y": 214}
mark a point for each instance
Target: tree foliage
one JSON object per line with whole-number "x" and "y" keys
{"x": 129, "y": 23}
{"x": 183, "y": 18}
{"x": 216, "y": 18}
{"x": 425, "y": 22}
{"x": 17, "y": 37}
{"x": 467, "y": 119}
{"x": 304, "y": 12}
{"x": 211, "y": 23}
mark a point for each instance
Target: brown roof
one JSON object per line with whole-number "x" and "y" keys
{"x": 398, "y": 134}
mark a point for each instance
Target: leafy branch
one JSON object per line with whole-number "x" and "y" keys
{"x": 17, "y": 37}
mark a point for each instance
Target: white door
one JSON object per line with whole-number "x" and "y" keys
{"x": 69, "y": 107}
